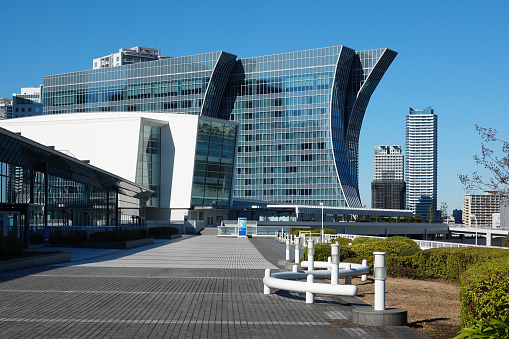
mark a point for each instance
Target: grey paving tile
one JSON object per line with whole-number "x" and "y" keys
{"x": 199, "y": 287}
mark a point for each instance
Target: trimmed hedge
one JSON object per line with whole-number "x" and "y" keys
{"x": 442, "y": 263}
{"x": 162, "y": 231}
{"x": 10, "y": 246}
{"x": 116, "y": 236}
{"x": 393, "y": 247}
{"x": 484, "y": 292}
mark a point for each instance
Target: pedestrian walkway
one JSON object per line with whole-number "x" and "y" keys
{"x": 192, "y": 287}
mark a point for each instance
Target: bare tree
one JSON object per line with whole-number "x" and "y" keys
{"x": 497, "y": 165}
{"x": 443, "y": 210}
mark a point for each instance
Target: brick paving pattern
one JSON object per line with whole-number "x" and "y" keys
{"x": 194, "y": 287}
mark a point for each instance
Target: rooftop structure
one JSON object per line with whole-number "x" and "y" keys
{"x": 128, "y": 56}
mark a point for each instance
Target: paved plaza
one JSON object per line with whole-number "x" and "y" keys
{"x": 191, "y": 287}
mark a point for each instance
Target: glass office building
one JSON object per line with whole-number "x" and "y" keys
{"x": 300, "y": 113}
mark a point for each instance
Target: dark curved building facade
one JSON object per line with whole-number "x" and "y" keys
{"x": 300, "y": 113}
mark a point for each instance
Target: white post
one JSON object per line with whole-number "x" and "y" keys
{"x": 364, "y": 277}
{"x": 321, "y": 231}
{"x": 287, "y": 249}
{"x": 334, "y": 274}
{"x": 380, "y": 275}
{"x": 297, "y": 250}
{"x": 295, "y": 268}
{"x": 348, "y": 280}
{"x": 266, "y": 289}
{"x": 311, "y": 255}
{"x": 309, "y": 295}
{"x": 473, "y": 216}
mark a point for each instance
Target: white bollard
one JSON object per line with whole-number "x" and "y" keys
{"x": 309, "y": 295}
{"x": 266, "y": 289}
{"x": 348, "y": 280}
{"x": 311, "y": 255}
{"x": 380, "y": 274}
{"x": 364, "y": 277}
{"x": 295, "y": 268}
{"x": 334, "y": 274}
{"x": 297, "y": 250}
{"x": 287, "y": 249}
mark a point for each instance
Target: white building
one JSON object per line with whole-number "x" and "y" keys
{"x": 480, "y": 208}
{"x": 186, "y": 160}
{"x": 128, "y": 56}
{"x": 388, "y": 163}
{"x": 421, "y": 160}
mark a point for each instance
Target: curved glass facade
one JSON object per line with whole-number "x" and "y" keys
{"x": 300, "y": 116}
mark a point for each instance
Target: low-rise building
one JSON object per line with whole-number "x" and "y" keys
{"x": 186, "y": 160}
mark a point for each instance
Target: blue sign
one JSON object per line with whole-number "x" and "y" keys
{"x": 242, "y": 227}
{"x": 46, "y": 235}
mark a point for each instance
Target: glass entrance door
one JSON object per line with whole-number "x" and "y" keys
{"x": 9, "y": 224}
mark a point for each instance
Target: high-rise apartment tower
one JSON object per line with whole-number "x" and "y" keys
{"x": 421, "y": 161}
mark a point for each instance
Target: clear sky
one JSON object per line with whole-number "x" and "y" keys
{"x": 453, "y": 55}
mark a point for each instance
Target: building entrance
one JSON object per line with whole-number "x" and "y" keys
{"x": 9, "y": 224}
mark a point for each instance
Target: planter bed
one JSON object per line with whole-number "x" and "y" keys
{"x": 38, "y": 260}
{"x": 124, "y": 245}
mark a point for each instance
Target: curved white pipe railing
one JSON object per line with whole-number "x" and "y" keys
{"x": 309, "y": 287}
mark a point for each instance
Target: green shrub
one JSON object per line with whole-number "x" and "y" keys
{"x": 506, "y": 242}
{"x": 116, "y": 236}
{"x": 162, "y": 231}
{"x": 342, "y": 241}
{"x": 10, "y": 246}
{"x": 360, "y": 240}
{"x": 484, "y": 292}
{"x": 487, "y": 328}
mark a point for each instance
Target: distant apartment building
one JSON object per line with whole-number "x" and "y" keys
{"x": 128, "y": 56}
{"x": 421, "y": 160}
{"x": 480, "y": 208}
{"x": 388, "y": 187}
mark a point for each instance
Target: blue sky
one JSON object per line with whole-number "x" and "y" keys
{"x": 453, "y": 55}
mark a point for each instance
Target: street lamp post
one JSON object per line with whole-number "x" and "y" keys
{"x": 321, "y": 231}
{"x": 472, "y": 216}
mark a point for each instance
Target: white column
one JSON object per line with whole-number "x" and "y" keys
{"x": 309, "y": 295}
{"x": 380, "y": 275}
{"x": 288, "y": 249}
{"x": 311, "y": 255}
{"x": 297, "y": 250}
{"x": 364, "y": 277}
{"x": 266, "y": 289}
{"x": 334, "y": 274}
